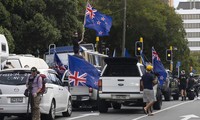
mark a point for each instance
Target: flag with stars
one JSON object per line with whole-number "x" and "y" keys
{"x": 82, "y": 73}
{"x": 97, "y": 21}
{"x": 158, "y": 67}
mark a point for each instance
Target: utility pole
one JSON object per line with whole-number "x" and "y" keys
{"x": 124, "y": 31}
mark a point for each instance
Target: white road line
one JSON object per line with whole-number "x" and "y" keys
{"x": 164, "y": 109}
{"x": 81, "y": 116}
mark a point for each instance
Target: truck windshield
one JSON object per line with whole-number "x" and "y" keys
{"x": 122, "y": 70}
{"x": 13, "y": 78}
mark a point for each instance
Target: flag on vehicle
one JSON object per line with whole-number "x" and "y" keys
{"x": 158, "y": 67}
{"x": 82, "y": 73}
{"x": 58, "y": 65}
{"x": 97, "y": 21}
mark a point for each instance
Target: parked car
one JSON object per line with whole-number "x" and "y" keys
{"x": 56, "y": 98}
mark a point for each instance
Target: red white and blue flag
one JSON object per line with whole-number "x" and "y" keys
{"x": 76, "y": 79}
{"x": 82, "y": 73}
{"x": 97, "y": 21}
{"x": 58, "y": 65}
{"x": 158, "y": 67}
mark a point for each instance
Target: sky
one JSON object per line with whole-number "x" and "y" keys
{"x": 177, "y": 1}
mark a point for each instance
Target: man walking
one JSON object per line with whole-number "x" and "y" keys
{"x": 34, "y": 84}
{"x": 183, "y": 84}
{"x": 147, "y": 82}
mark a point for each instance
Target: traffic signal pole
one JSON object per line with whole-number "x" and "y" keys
{"x": 171, "y": 61}
{"x": 140, "y": 59}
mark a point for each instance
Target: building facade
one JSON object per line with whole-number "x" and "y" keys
{"x": 190, "y": 14}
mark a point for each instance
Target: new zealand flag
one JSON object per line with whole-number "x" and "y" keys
{"x": 97, "y": 21}
{"x": 158, "y": 67}
{"x": 82, "y": 73}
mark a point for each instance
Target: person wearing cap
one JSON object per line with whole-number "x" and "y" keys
{"x": 147, "y": 81}
{"x": 34, "y": 84}
{"x": 183, "y": 80}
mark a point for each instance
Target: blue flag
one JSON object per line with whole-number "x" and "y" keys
{"x": 82, "y": 73}
{"x": 58, "y": 65}
{"x": 97, "y": 21}
{"x": 158, "y": 67}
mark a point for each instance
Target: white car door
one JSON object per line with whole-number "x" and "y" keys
{"x": 60, "y": 93}
{"x": 63, "y": 95}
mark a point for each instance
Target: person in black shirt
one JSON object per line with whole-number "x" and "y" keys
{"x": 183, "y": 84}
{"x": 147, "y": 82}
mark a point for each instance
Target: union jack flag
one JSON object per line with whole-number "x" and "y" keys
{"x": 76, "y": 79}
{"x": 90, "y": 11}
{"x": 154, "y": 54}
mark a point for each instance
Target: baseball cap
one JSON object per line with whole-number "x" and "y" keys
{"x": 33, "y": 69}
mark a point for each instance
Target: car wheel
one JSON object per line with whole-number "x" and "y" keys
{"x": 103, "y": 107}
{"x": 52, "y": 111}
{"x": 191, "y": 95}
{"x": 1, "y": 117}
{"x": 157, "y": 105}
{"x": 69, "y": 109}
{"x": 167, "y": 95}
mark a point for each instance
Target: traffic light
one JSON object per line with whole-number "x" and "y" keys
{"x": 138, "y": 48}
{"x": 168, "y": 55}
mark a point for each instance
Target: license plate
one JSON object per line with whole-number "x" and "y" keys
{"x": 120, "y": 97}
{"x": 16, "y": 100}
{"x": 74, "y": 97}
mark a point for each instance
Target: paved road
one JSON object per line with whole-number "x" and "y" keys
{"x": 171, "y": 110}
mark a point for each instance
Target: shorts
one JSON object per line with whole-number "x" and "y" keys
{"x": 148, "y": 95}
{"x": 183, "y": 86}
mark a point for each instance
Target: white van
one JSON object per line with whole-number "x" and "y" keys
{"x": 4, "y": 50}
{"x": 25, "y": 61}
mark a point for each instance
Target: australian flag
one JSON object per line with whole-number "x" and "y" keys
{"x": 58, "y": 65}
{"x": 97, "y": 21}
{"x": 158, "y": 67}
{"x": 82, "y": 73}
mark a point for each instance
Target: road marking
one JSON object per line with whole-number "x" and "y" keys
{"x": 187, "y": 117}
{"x": 164, "y": 109}
{"x": 81, "y": 116}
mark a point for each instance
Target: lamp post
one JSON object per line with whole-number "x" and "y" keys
{"x": 124, "y": 31}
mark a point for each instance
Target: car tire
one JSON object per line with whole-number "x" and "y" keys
{"x": 116, "y": 106}
{"x": 69, "y": 109}
{"x": 167, "y": 95}
{"x": 157, "y": 105}
{"x": 1, "y": 117}
{"x": 103, "y": 107}
{"x": 191, "y": 95}
{"x": 52, "y": 112}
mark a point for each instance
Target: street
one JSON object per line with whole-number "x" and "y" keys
{"x": 171, "y": 110}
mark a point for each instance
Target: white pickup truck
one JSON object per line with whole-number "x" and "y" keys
{"x": 119, "y": 84}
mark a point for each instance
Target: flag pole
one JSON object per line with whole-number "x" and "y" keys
{"x": 83, "y": 32}
{"x": 152, "y": 57}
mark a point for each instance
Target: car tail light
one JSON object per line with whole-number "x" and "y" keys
{"x": 90, "y": 91}
{"x": 141, "y": 86}
{"x": 100, "y": 85}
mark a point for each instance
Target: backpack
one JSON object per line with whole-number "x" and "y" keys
{"x": 43, "y": 89}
